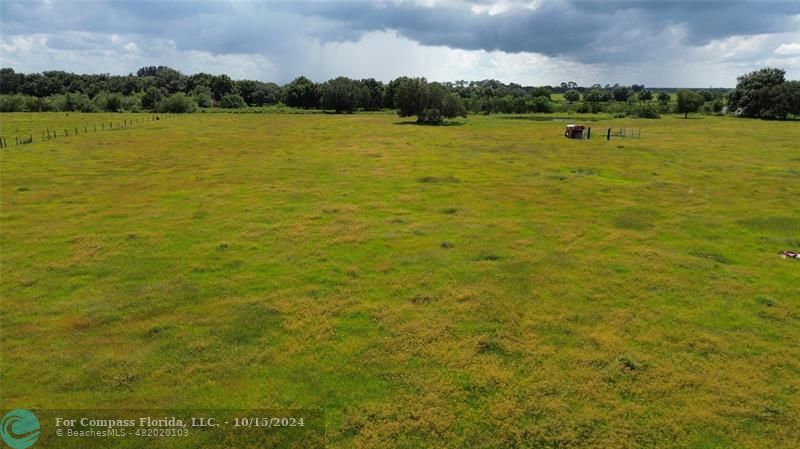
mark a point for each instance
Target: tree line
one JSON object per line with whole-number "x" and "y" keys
{"x": 764, "y": 94}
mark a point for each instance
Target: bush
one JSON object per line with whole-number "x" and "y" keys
{"x": 645, "y": 110}
{"x": 73, "y": 102}
{"x": 12, "y": 103}
{"x": 108, "y": 102}
{"x": 151, "y": 98}
{"x": 540, "y": 104}
{"x": 177, "y": 103}
{"x": 232, "y": 101}
{"x": 203, "y": 97}
{"x": 132, "y": 103}
{"x": 35, "y": 104}
{"x": 717, "y": 106}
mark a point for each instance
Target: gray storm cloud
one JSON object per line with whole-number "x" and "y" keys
{"x": 290, "y": 34}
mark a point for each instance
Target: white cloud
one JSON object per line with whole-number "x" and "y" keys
{"x": 792, "y": 48}
{"x": 35, "y": 54}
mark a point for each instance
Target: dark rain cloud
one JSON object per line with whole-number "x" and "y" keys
{"x": 561, "y": 28}
{"x": 585, "y": 31}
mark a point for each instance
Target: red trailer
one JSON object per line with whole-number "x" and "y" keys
{"x": 574, "y": 131}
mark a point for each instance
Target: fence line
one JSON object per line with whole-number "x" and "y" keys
{"x": 49, "y": 134}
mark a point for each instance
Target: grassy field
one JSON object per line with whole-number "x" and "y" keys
{"x": 488, "y": 284}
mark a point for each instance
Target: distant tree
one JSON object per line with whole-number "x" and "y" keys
{"x": 663, "y": 97}
{"x": 10, "y": 82}
{"x": 572, "y": 96}
{"x": 408, "y": 96}
{"x": 340, "y": 94}
{"x": 637, "y": 87}
{"x": 199, "y": 80}
{"x": 538, "y": 92}
{"x": 247, "y": 89}
{"x": 222, "y": 85}
{"x": 596, "y": 96}
{"x": 452, "y": 106}
{"x": 717, "y": 106}
{"x": 540, "y": 104}
{"x": 266, "y": 93}
{"x": 430, "y": 102}
{"x": 645, "y": 96}
{"x": 370, "y": 94}
{"x": 621, "y": 93}
{"x": 766, "y": 94}
{"x": 202, "y": 96}
{"x": 302, "y": 93}
{"x": 688, "y": 101}
{"x": 151, "y": 98}
{"x": 389, "y": 92}
{"x": 517, "y": 105}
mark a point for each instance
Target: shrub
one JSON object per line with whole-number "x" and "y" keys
{"x": 151, "y": 98}
{"x": 203, "y": 97}
{"x": 109, "y": 102}
{"x": 132, "y": 103}
{"x": 717, "y": 106}
{"x": 12, "y": 103}
{"x": 645, "y": 110}
{"x": 177, "y": 103}
{"x": 232, "y": 101}
{"x": 35, "y": 104}
{"x": 540, "y": 104}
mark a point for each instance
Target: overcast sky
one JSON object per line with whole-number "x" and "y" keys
{"x": 538, "y": 42}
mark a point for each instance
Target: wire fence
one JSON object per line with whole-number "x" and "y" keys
{"x": 49, "y": 134}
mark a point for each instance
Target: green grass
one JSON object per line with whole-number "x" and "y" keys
{"x": 490, "y": 285}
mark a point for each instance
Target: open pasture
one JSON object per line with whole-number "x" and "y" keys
{"x": 486, "y": 284}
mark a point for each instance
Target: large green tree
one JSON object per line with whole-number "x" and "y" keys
{"x": 303, "y": 93}
{"x": 765, "y": 93}
{"x": 572, "y": 96}
{"x": 688, "y": 101}
{"x": 340, "y": 94}
{"x": 431, "y": 103}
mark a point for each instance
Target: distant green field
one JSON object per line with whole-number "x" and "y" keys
{"x": 488, "y": 284}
